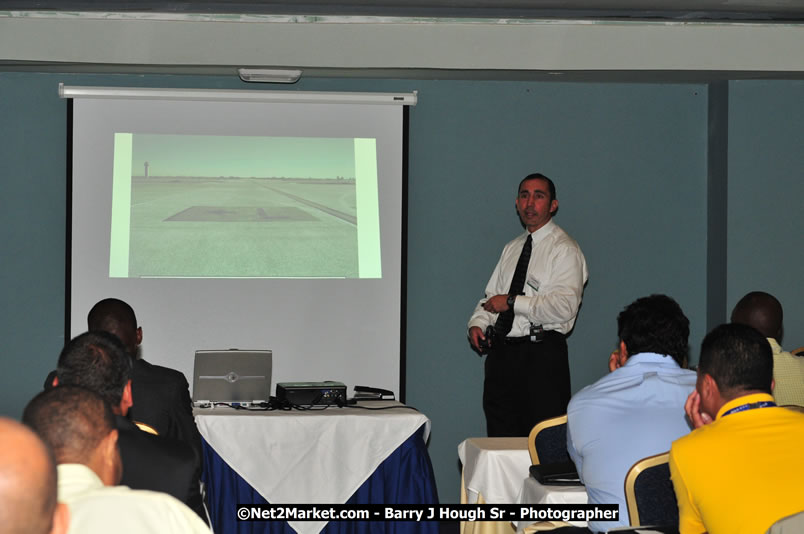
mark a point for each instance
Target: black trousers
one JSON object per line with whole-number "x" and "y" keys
{"x": 525, "y": 383}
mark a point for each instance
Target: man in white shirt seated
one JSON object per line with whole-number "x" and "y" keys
{"x": 28, "y": 484}
{"x": 80, "y": 429}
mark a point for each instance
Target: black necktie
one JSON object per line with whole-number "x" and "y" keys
{"x": 506, "y": 319}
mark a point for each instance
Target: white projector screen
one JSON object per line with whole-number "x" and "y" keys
{"x": 244, "y": 224}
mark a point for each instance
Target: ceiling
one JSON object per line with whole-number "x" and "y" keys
{"x": 693, "y": 10}
{"x": 667, "y": 41}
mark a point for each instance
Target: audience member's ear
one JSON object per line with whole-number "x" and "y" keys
{"x": 705, "y": 388}
{"x": 139, "y": 335}
{"x": 127, "y": 400}
{"x": 61, "y": 519}
{"x": 709, "y": 384}
{"x": 711, "y": 400}
{"x": 55, "y": 381}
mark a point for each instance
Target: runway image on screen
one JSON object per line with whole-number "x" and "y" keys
{"x": 244, "y": 207}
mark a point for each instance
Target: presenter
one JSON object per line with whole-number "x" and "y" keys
{"x": 530, "y": 305}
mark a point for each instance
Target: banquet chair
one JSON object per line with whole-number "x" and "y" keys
{"x": 792, "y": 524}
{"x": 797, "y": 351}
{"x": 547, "y": 442}
{"x": 649, "y": 493}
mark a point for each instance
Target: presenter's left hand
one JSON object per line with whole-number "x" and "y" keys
{"x": 496, "y": 304}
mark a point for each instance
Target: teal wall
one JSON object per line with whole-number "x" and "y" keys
{"x": 629, "y": 161}
{"x": 766, "y": 197}
{"x": 33, "y": 126}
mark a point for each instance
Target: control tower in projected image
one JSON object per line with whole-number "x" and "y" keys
{"x": 146, "y": 169}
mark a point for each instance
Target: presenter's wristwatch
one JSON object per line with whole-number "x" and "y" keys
{"x": 510, "y": 301}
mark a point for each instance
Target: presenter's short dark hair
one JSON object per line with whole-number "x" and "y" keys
{"x": 738, "y": 357}
{"x": 539, "y": 176}
{"x": 655, "y": 324}
{"x": 98, "y": 362}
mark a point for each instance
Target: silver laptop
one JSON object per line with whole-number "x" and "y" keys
{"x": 242, "y": 376}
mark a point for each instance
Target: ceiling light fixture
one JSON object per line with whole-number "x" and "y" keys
{"x": 270, "y": 75}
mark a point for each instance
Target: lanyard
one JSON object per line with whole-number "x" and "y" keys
{"x": 750, "y": 406}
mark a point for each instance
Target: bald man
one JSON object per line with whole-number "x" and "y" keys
{"x": 763, "y": 312}
{"x": 28, "y": 484}
{"x": 79, "y": 427}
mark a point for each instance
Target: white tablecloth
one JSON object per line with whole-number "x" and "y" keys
{"x": 532, "y": 492}
{"x": 309, "y": 457}
{"x": 494, "y": 468}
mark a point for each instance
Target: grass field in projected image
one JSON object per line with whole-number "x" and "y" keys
{"x": 229, "y": 227}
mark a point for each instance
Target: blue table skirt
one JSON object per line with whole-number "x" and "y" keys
{"x": 405, "y": 477}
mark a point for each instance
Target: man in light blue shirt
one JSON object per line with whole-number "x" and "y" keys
{"x": 638, "y": 409}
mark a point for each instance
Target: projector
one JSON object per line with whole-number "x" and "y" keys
{"x": 311, "y": 393}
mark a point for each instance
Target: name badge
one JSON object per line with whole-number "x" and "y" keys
{"x": 533, "y": 283}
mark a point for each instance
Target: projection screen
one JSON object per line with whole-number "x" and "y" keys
{"x": 244, "y": 219}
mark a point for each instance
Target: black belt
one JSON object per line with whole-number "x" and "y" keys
{"x": 516, "y": 340}
{"x": 526, "y": 339}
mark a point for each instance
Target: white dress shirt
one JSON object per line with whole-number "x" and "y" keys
{"x": 99, "y": 509}
{"x": 553, "y": 287}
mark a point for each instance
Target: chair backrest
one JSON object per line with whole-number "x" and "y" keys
{"x": 649, "y": 492}
{"x": 798, "y": 351}
{"x": 793, "y": 524}
{"x": 547, "y": 442}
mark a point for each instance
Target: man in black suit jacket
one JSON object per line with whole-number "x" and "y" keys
{"x": 98, "y": 361}
{"x": 161, "y": 395}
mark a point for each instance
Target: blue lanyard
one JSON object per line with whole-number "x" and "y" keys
{"x": 750, "y": 406}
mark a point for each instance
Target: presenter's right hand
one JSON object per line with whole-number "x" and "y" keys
{"x": 476, "y": 335}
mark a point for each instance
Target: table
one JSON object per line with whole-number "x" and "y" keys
{"x": 332, "y": 456}
{"x": 535, "y": 493}
{"x": 492, "y": 474}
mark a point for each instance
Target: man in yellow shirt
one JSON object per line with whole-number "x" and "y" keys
{"x": 741, "y": 469}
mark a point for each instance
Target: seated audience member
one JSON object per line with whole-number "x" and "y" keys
{"x": 79, "y": 427}
{"x": 161, "y": 395}
{"x": 763, "y": 312}
{"x": 741, "y": 470}
{"x": 28, "y": 502}
{"x": 637, "y": 410}
{"x": 98, "y": 361}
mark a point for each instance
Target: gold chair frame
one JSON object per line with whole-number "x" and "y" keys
{"x": 547, "y": 423}
{"x": 630, "y": 481}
